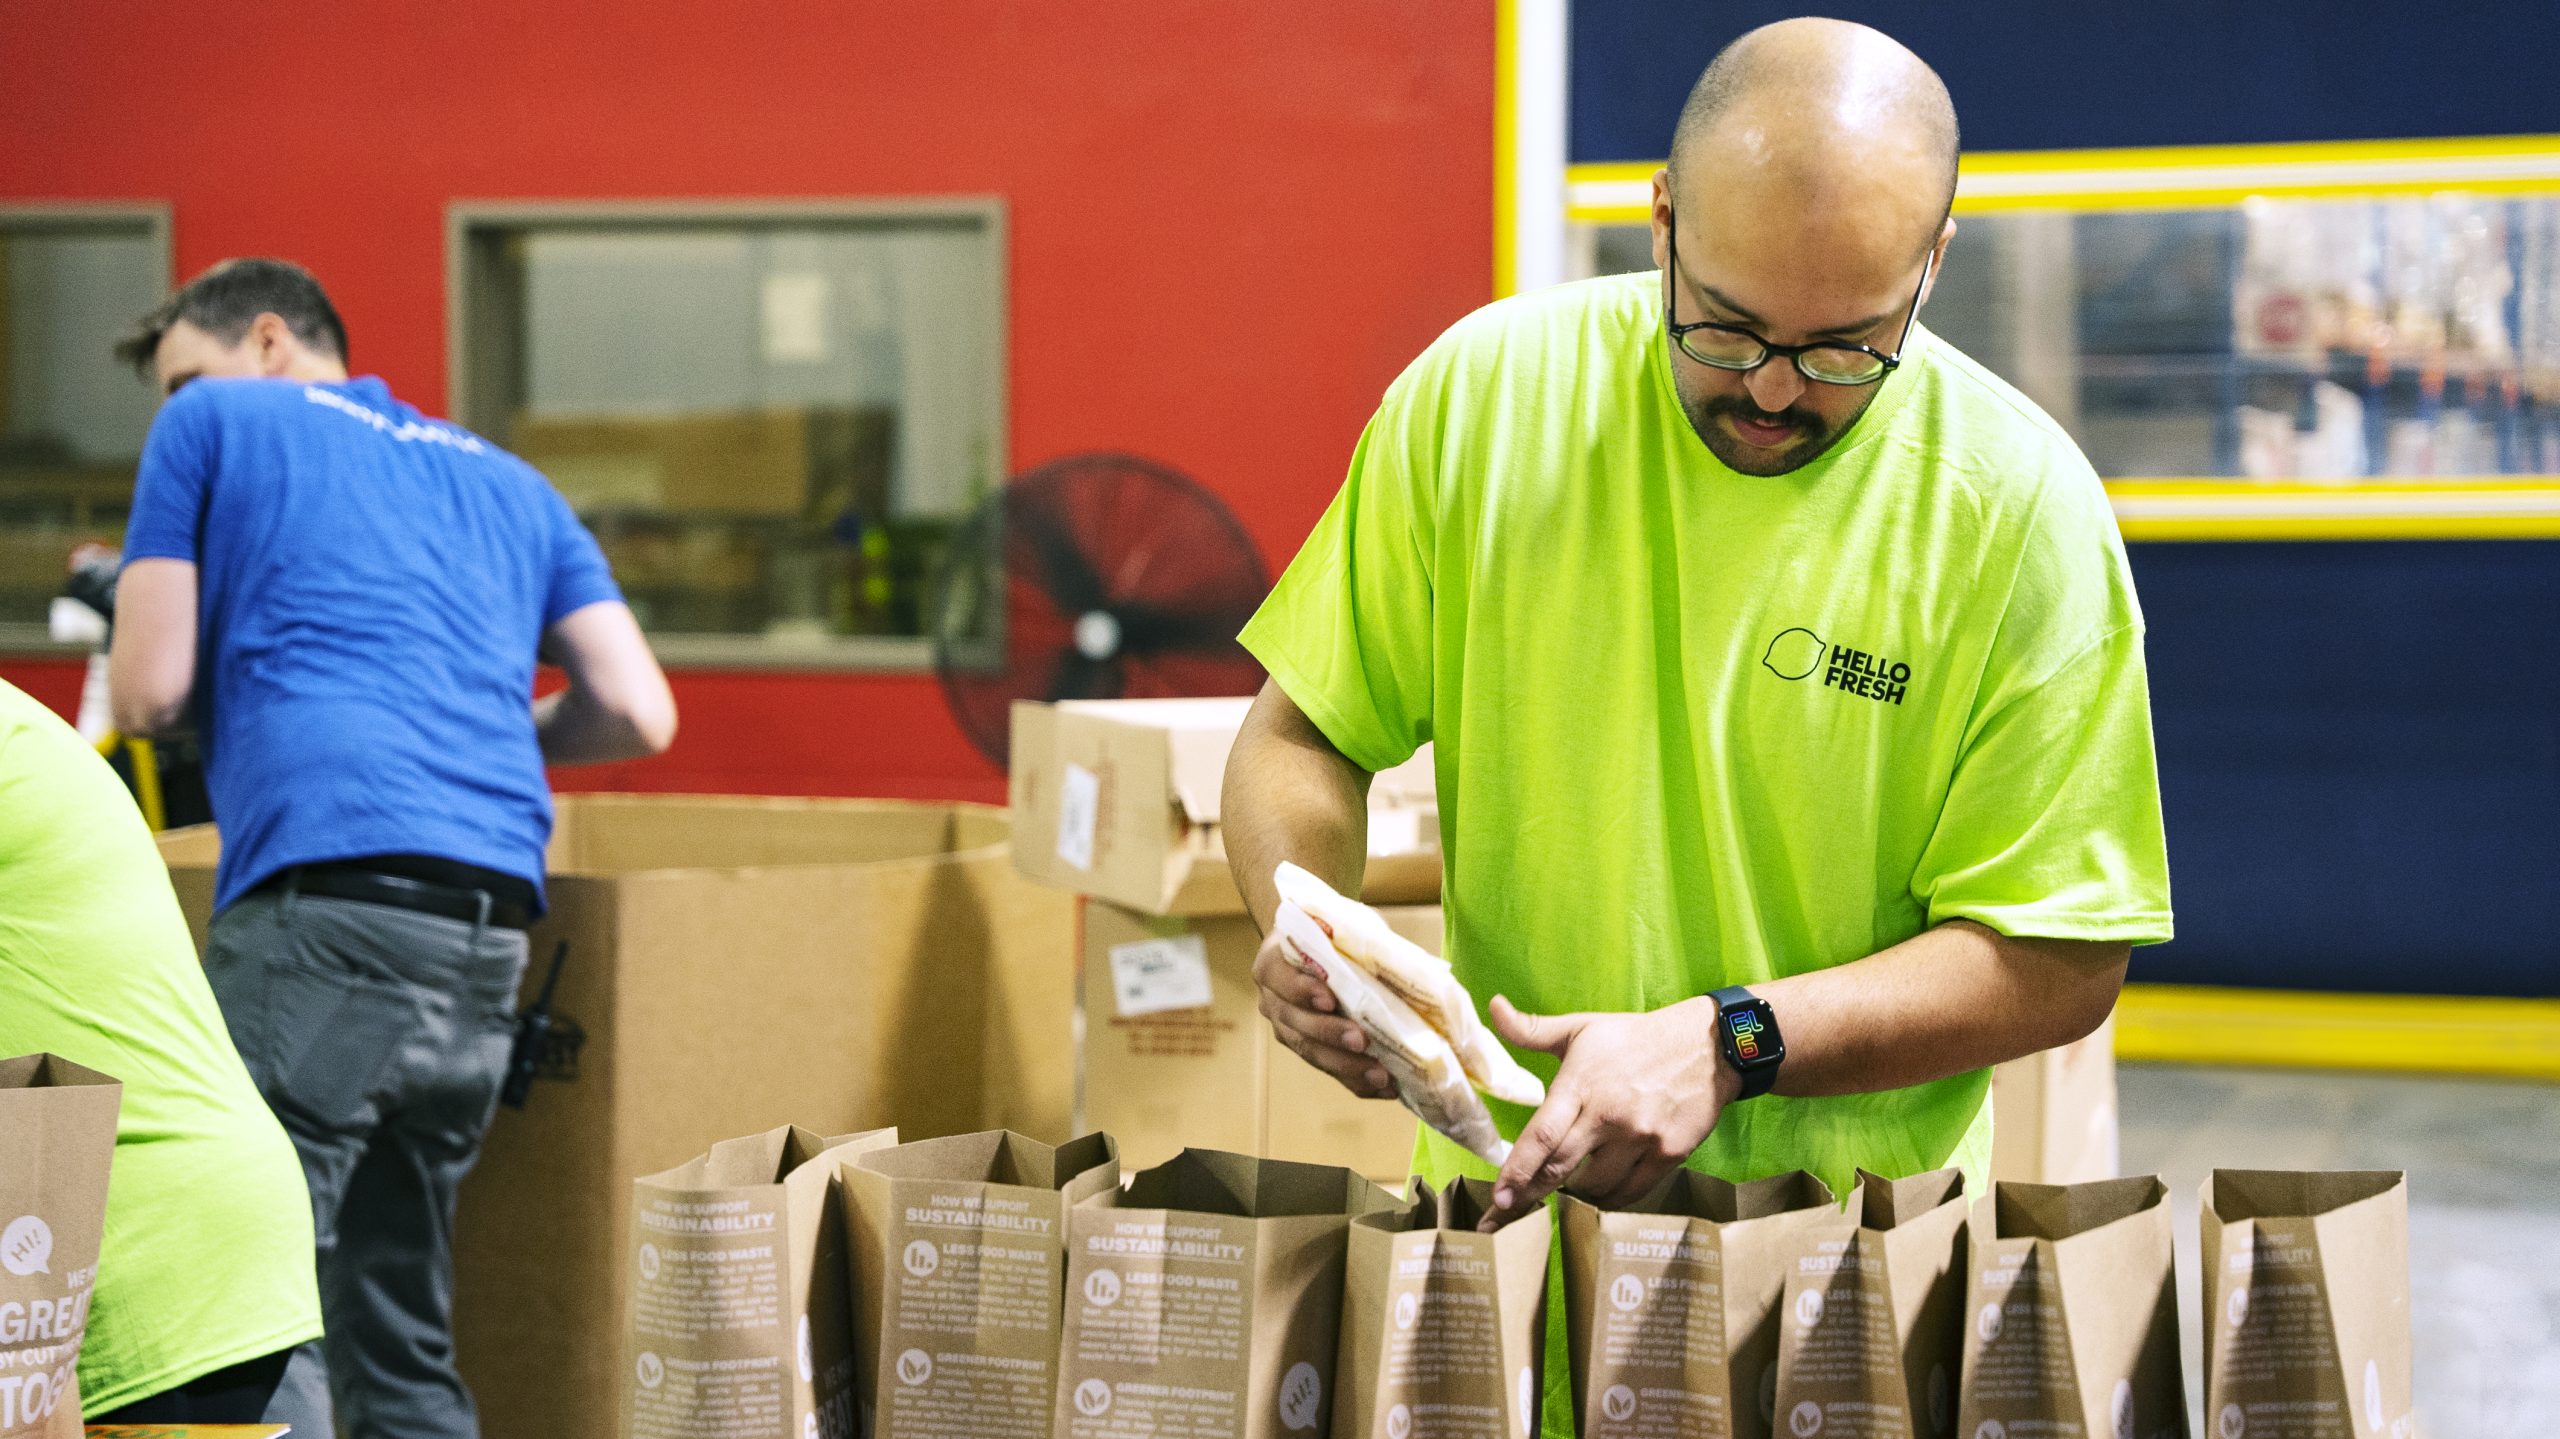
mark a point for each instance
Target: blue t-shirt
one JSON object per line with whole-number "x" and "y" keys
{"x": 372, "y": 585}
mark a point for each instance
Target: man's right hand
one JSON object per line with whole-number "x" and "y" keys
{"x": 1306, "y": 1018}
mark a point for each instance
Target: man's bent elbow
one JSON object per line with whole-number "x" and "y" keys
{"x": 145, "y": 716}
{"x": 655, "y": 729}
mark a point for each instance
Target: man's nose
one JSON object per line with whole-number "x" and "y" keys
{"x": 1775, "y": 385}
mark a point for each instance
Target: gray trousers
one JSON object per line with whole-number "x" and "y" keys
{"x": 379, "y": 1036}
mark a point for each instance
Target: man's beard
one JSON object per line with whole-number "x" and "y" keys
{"x": 1814, "y": 435}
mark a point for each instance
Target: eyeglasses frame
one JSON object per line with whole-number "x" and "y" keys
{"x": 1673, "y": 275}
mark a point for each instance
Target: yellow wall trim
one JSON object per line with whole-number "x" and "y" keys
{"x": 2173, "y": 177}
{"x": 2433, "y": 1034}
{"x": 1506, "y": 147}
{"x": 2485, "y": 507}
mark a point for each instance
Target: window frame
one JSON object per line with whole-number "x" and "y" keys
{"x": 158, "y": 220}
{"x": 470, "y": 223}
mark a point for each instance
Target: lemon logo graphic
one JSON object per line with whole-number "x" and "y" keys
{"x": 1794, "y": 654}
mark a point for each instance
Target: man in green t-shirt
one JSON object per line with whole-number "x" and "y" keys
{"x": 1783, "y": 664}
{"x": 205, "y": 1283}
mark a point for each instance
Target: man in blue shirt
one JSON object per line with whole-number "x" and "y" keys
{"x": 345, "y": 600}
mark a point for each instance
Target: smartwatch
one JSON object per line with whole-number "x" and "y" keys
{"x": 1747, "y": 1032}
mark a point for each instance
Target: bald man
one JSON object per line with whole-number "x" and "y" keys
{"x": 1794, "y": 743}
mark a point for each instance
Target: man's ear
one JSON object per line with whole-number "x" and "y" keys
{"x": 272, "y": 341}
{"x": 1946, "y": 238}
{"x": 1661, "y": 217}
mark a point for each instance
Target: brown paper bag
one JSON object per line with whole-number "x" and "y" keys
{"x": 1868, "y": 1339}
{"x": 1443, "y": 1329}
{"x": 1671, "y": 1307}
{"x": 57, "y": 1141}
{"x": 741, "y": 1321}
{"x": 2071, "y": 1327}
{"x": 1205, "y": 1298}
{"x": 2306, "y": 1300}
{"x": 958, "y": 1259}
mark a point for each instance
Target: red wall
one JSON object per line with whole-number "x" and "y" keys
{"x": 1232, "y": 221}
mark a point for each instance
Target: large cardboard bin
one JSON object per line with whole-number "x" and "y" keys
{"x": 735, "y": 964}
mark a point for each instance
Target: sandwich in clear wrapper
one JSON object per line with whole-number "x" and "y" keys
{"x": 1420, "y": 1020}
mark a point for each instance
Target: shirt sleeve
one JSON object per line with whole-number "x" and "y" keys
{"x": 2051, "y": 827}
{"x": 1347, "y": 633}
{"x": 171, "y": 487}
{"x": 579, "y": 575}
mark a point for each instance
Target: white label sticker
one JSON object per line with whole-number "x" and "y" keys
{"x": 1079, "y": 809}
{"x": 1154, "y": 975}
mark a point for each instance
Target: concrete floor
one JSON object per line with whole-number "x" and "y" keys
{"x": 2484, "y": 1212}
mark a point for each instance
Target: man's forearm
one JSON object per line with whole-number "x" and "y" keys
{"x": 1955, "y": 998}
{"x": 1290, "y": 795}
{"x": 573, "y": 729}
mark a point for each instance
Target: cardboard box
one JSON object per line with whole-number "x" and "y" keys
{"x": 1177, "y": 1054}
{"x": 1119, "y": 799}
{"x": 735, "y": 964}
{"x": 2053, "y": 1114}
{"x": 775, "y": 462}
{"x": 958, "y": 1252}
{"x": 1205, "y": 1299}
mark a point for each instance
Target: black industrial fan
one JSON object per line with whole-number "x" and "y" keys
{"x": 1097, "y": 576}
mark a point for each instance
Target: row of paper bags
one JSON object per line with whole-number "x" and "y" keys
{"x": 991, "y": 1287}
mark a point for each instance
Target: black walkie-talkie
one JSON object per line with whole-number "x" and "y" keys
{"x": 533, "y": 1032}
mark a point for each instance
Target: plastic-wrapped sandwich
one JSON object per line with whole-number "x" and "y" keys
{"x": 1421, "y": 1022}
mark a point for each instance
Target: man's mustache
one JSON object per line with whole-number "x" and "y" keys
{"x": 1801, "y": 421}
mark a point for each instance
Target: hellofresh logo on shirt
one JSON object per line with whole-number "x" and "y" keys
{"x": 1795, "y": 654}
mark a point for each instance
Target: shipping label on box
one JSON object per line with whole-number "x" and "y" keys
{"x": 1204, "y": 1300}
{"x": 1671, "y": 1306}
{"x": 2306, "y": 1304}
{"x": 958, "y": 1259}
{"x": 1160, "y": 1077}
{"x": 2071, "y": 1312}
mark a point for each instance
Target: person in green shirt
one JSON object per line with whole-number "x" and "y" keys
{"x": 205, "y": 1283}
{"x": 1766, "y": 641}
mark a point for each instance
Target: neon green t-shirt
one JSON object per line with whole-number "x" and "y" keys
{"x": 208, "y": 1257}
{"x": 1699, "y": 728}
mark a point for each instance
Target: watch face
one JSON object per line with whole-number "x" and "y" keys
{"x": 1748, "y": 1029}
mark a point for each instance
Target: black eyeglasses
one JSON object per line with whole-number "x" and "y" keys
{"x": 1830, "y": 362}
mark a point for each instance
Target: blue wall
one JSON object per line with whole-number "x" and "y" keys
{"x": 2048, "y": 74}
{"x": 2359, "y": 763}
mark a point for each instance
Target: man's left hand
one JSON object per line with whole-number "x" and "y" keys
{"x": 1634, "y": 1094}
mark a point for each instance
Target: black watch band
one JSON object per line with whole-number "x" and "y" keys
{"x": 1747, "y": 1032}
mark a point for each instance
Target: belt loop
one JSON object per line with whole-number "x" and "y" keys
{"x": 480, "y": 925}
{"x": 292, "y": 892}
